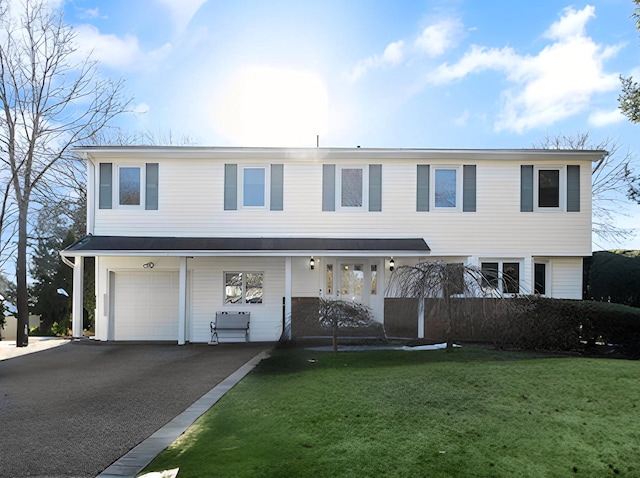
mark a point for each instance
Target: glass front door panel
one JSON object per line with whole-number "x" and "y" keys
{"x": 352, "y": 280}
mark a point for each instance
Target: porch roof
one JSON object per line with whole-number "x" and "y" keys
{"x": 246, "y": 246}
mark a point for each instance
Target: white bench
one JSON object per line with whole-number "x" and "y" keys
{"x": 230, "y": 325}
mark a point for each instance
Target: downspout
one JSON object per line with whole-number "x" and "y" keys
{"x": 76, "y": 295}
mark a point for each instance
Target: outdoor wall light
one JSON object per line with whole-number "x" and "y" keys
{"x": 392, "y": 264}
{"x": 148, "y": 265}
{"x": 312, "y": 263}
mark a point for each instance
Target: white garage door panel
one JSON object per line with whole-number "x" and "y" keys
{"x": 146, "y": 306}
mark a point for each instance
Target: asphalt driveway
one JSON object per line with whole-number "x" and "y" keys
{"x": 72, "y": 410}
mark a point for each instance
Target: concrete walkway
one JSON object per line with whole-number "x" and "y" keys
{"x": 133, "y": 462}
{"x": 9, "y": 350}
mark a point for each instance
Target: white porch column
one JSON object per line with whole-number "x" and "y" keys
{"x": 77, "y": 304}
{"x": 182, "y": 302}
{"x": 421, "y": 318}
{"x": 287, "y": 297}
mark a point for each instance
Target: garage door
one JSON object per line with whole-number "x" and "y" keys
{"x": 146, "y": 306}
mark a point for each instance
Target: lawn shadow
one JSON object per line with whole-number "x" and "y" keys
{"x": 298, "y": 360}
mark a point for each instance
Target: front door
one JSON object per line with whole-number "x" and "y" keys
{"x": 351, "y": 282}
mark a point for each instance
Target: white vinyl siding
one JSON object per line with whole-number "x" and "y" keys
{"x": 204, "y": 296}
{"x": 192, "y": 205}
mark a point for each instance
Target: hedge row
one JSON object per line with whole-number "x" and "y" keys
{"x": 535, "y": 323}
{"x": 613, "y": 276}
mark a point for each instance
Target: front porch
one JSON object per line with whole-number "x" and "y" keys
{"x": 156, "y": 289}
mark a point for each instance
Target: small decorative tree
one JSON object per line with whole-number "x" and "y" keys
{"x": 339, "y": 314}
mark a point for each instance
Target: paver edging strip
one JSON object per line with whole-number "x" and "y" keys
{"x": 130, "y": 464}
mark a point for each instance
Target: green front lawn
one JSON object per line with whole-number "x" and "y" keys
{"x": 468, "y": 413}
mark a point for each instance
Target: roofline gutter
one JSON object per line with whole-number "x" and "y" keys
{"x": 66, "y": 260}
{"x": 94, "y": 153}
{"x": 192, "y": 253}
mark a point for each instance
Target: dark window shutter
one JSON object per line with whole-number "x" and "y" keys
{"x": 375, "y": 187}
{"x": 526, "y": 188}
{"x": 230, "y": 187}
{"x": 105, "y": 200}
{"x": 422, "y": 192}
{"x": 151, "y": 190}
{"x": 277, "y": 187}
{"x": 469, "y": 188}
{"x": 328, "y": 187}
{"x": 573, "y": 188}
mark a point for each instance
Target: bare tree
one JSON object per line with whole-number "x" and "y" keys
{"x": 613, "y": 179}
{"x": 50, "y": 102}
{"x": 114, "y": 136}
{"x": 448, "y": 282}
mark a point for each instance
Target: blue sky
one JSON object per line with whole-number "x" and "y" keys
{"x": 424, "y": 74}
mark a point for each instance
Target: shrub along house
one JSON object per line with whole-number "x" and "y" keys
{"x": 180, "y": 233}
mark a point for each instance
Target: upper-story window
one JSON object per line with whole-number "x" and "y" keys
{"x": 351, "y": 191}
{"x": 129, "y": 178}
{"x": 446, "y": 188}
{"x": 134, "y": 186}
{"x": 254, "y": 187}
{"x": 352, "y": 188}
{"x": 550, "y": 188}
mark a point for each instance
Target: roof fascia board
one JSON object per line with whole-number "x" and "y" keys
{"x": 335, "y": 154}
{"x": 296, "y": 253}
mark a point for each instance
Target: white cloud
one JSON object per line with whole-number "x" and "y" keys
{"x": 182, "y": 11}
{"x": 436, "y": 39}
{"x": 111, "y": 50}
{"x": 571, "y": 24}
{"x": 477, "y": 59}
{"x": 463, "y": 119}
{"x": 555, "y": 84}
{"x": 114, "y": 51}
{"x": 604, "y": 118}
{"x": 141, "y": 108}
{"x": 89, "y": 13}
{"x": 18, "y": 7}
{"x": 392, "y": 55}
{"x": 433, "y": 41}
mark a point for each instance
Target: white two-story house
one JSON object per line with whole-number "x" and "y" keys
{"x": 180, "y": 233}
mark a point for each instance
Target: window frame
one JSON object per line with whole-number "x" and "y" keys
{"x": 497, "y": 284}
{"x": 562, "y": 188}
{"x": 365, "y": 187}
{"x": 547, "y": 277}
{"x": 432, "y": 187}
{"x": 141, "y": 186}
{"x": 243, "y": 292}
{"x": 266, "y": 185}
